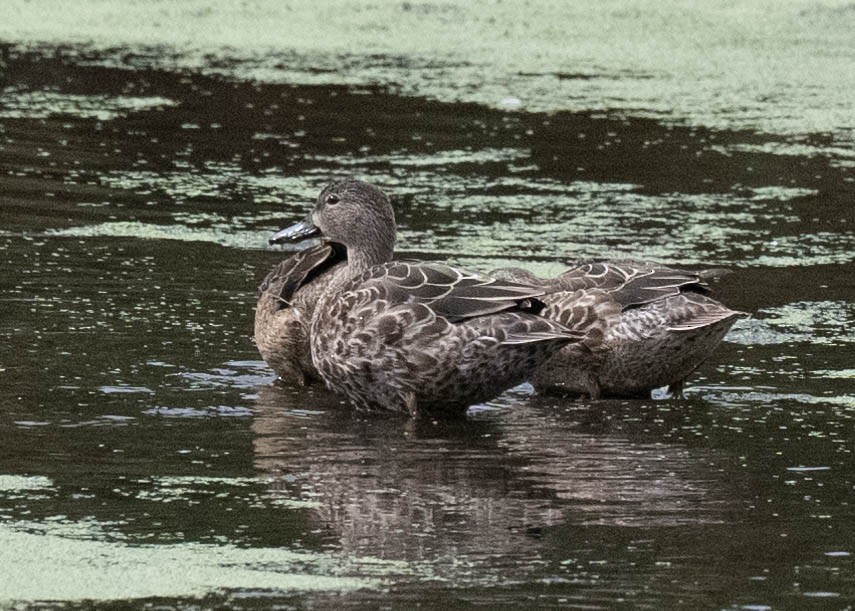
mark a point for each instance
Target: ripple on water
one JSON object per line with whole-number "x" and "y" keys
{"x": 15, "y": 104}
{"x": 130, "y": 390}
{"x": 223, "y": 233}
{"x": 16, "y": 483}
{"x": 190, "y": 489}
{"x": 236, "y": 374}
{"x": 441, "y": 160}
{"x": 732, "y": 398}
{"x": 214, "y": 411}
{"x": 206, "y": 180}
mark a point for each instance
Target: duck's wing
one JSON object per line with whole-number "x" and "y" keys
{"x": 518, "y": 275}
{"x": 692, "y": 311}
{"x": 632, "y": 282}
{"x": 587, "y": 312}
{"x": 451, "y": 292}
{"x": 298, "y": 270}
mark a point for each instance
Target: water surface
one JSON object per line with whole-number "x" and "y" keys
{"x": 148, "y": 458}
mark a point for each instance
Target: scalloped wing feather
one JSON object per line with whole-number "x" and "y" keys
{"x": 709, "y": 316}
{"x": 450, "y": 292}
{"x": 588, "y": 313}
{"x": 631, "y": 282}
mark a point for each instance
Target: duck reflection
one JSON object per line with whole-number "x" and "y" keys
{"x": 485, "y": 486}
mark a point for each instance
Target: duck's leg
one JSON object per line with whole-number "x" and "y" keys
{"x": 410, "y": 402}
{"x": 675, "y": 389}
{"x": 592, "y": 385}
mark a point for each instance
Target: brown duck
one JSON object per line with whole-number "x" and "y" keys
{"x": 661, "y": 327}
{"x": 416, "y": 336}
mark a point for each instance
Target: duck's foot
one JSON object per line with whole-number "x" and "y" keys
{"x": 676, "y": 389}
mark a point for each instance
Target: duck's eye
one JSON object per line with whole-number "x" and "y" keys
{"x": 332, "y": 199}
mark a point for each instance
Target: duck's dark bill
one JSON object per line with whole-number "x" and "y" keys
{"x": 303, "y": 230}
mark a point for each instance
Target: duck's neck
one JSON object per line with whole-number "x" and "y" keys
{"x": 360, "y": 260}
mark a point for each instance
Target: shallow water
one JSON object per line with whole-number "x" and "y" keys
{"x": 146, "y": 456}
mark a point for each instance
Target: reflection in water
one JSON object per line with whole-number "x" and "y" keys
{"x": 471, "y": 490}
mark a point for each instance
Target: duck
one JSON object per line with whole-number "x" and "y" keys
{"x": 285, "y": 303}
{"x": 418, "y": 337}
{"x": 661, "y": 327}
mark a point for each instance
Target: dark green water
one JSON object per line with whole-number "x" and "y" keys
{"x": 147, "y": 458}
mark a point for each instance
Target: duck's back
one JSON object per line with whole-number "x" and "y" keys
{"x": 406, "y": 336}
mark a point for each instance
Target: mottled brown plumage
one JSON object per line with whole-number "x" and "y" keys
{"x": 416, "y": 337}
{"x": 286, "y": 302}
{"x": 658, "y": 326}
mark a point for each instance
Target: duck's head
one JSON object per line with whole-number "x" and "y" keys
{"x": 352, "y": 213}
